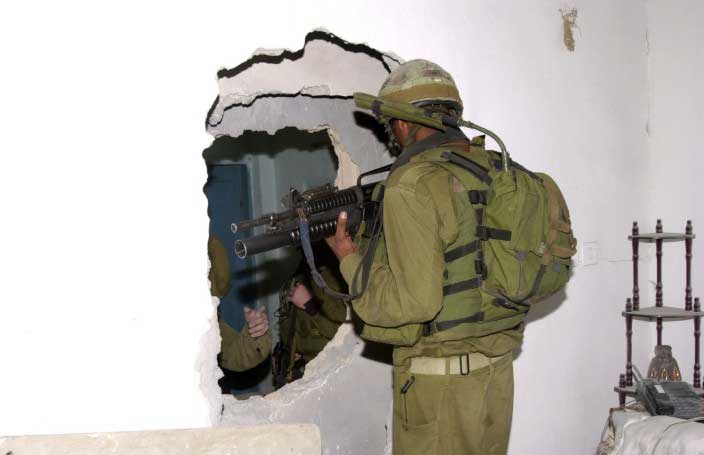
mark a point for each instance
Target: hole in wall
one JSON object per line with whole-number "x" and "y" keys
{"x": 308, "y": 91}
{"x": 249, "y": 176}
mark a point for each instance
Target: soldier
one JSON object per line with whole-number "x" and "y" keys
{"x": 453, "y": 389}
{"x": 240, "y": 351}
{"x": 308, "y": 319}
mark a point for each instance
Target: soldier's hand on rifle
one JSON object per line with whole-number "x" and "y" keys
{"x": 257, "y": 321}
{"x": 299, "y": 295}
{"x": 341, "y": 243}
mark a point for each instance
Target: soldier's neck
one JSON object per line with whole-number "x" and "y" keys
{"x": 423, "y": 133}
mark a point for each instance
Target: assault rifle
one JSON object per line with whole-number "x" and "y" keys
{"x": 283, "y": 356}
{"x": 312, "y": 215}
{"x": 319, "y": 206}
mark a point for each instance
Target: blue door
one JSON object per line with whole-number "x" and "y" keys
{"x": 228, "y": 193}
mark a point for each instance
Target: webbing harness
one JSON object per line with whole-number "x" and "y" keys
{"x": 479, "y": 200}
{"x": 365, "y": 265}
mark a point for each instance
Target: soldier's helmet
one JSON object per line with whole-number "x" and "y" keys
{"x": 421, "y": 83}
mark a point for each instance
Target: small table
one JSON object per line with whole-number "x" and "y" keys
{"x": 631, "y": 430}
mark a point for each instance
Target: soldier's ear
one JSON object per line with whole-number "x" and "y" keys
{"x": 401, "y": 129}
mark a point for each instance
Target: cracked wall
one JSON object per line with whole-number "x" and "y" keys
{"x": 311, "y": 90}
{"x": 104, "y": 293}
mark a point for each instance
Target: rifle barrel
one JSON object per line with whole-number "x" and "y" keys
{"x": 270, "y": 219}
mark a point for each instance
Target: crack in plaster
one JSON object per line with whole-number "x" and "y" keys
{"x": 238, "y": 100}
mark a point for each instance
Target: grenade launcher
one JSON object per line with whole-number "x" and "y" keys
{"x": 320, "y": 206}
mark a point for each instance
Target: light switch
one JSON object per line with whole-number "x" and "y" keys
{"x": 590, "y": 253}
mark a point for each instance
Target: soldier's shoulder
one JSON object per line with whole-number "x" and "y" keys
{"x": 416, "y": 172}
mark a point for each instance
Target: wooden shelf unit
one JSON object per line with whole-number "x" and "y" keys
{"x": 660, "y": 313}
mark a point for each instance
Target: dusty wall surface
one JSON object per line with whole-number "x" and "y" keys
{"x": 345, "y": 391}
{"x": 250, "y": 440}
{"x": 676, "y": 119}
{"x": 104, "y": 296}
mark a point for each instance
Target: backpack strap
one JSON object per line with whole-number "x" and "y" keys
{"x": 479, "y": 199}
{"x": 461, "y": 251}
{"x": 472, "y": 283}
{"x": 485, "y": 233}
{"x": 498, "y": 165}
{"x": 474, "y": 168}
{"x": 432, "y": 327}
{"x": 434, "y": 140}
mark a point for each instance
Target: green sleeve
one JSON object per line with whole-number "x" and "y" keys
{"x": 331, "y": 312}
{"x": 406, "y": 287}
{"x": 239, "y": 351}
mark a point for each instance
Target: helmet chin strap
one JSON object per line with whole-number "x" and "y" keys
{"x": 394, "y": 144}
{"x": 413, "y": 129}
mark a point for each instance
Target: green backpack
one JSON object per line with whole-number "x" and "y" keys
{"x": 523, "y": 224}
{"x": 514, "y": 247}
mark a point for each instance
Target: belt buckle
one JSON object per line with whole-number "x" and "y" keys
{"x": 464, "y": 364}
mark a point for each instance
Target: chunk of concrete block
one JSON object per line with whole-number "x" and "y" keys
{"x": 299, "y": 439}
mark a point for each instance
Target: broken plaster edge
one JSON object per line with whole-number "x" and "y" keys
{"x": 247, "y": 99}
{"x": 316, "y": 371}
{"x": 347, "y": 170}
{"x": 275, "y": 52}
{"x": 207, "y": 365}
{"x": 226, "y": 101}
{"x": 337, "y": 355}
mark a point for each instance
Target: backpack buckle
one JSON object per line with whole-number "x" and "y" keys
{"x": 464, "y": 364}
{"x": 429, "y": 329}
{"x": 480, "y": 268}
{"x": 477, "y": 197}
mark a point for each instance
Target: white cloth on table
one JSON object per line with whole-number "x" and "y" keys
{"x": 638, "y": 433}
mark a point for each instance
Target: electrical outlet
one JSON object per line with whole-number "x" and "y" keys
{"x": 590, "y": 253}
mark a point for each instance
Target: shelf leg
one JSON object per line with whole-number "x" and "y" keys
{"x": 658, "y": 286}
{"x": 688, "y": 260}
{"x": 697, "y": 338}
{"x": 622, "y": 395}
{"x": 629, "y": 344}
{"x": 635, "y": 244}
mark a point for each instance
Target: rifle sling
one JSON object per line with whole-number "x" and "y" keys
{"x": 432, "y": 141}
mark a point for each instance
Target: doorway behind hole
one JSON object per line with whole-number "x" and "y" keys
{"x": 247, "y": 177}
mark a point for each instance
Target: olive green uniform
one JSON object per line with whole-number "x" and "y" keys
{"x": 239, "y": 351}
{"x": 437, "y": 414}
{"x": 318, "y": 323}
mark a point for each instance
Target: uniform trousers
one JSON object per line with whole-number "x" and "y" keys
{"x": 453, "y": 414}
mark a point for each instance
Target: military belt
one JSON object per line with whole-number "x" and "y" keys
{"x": 457, "y": 364}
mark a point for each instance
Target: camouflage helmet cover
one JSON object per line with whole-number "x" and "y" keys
{"x": 421, "y": 82}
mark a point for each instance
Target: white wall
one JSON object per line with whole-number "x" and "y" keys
{"x": 104, "y": 295}
{"x": 676, "y": 122}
